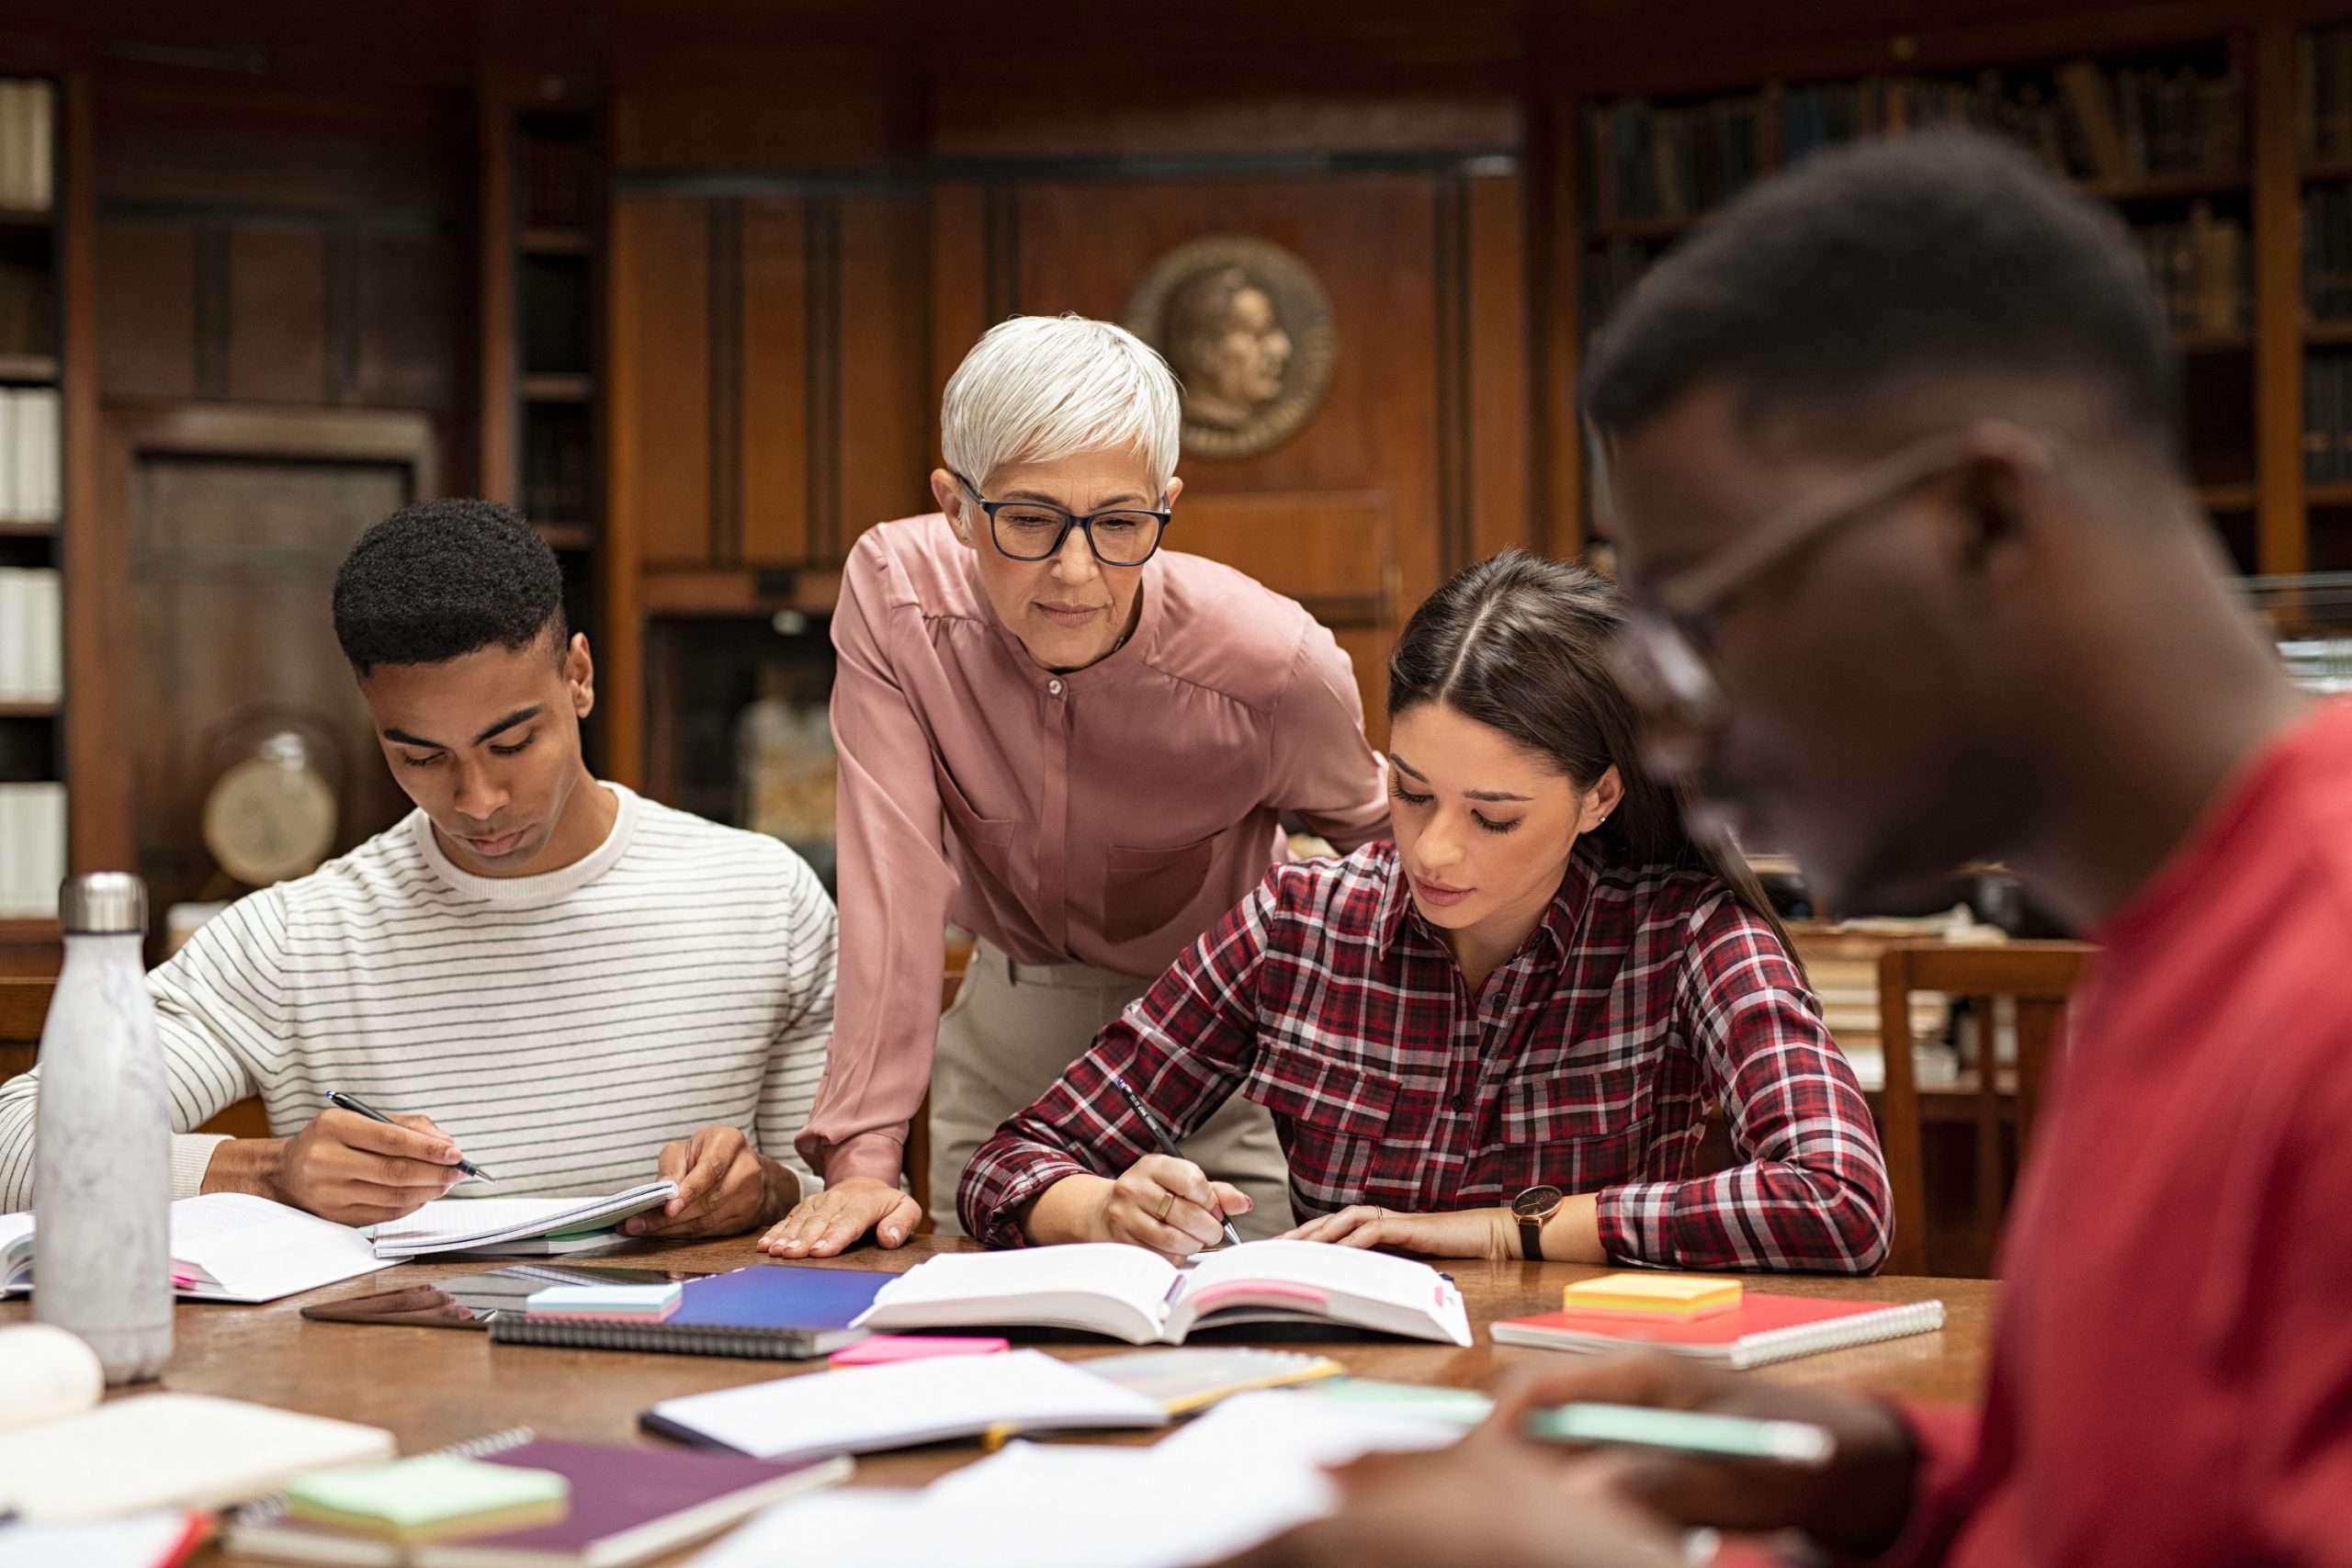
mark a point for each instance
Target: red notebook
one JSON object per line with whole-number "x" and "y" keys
{"x": 1761, "y": 1328}
{"x": 627, "y": 1505}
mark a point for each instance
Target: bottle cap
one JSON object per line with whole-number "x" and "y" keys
{"x": 104, "y": 902}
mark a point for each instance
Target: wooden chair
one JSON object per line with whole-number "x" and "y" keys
{"x": 24, "y": 1006}
{"x": 2038, "y": 977}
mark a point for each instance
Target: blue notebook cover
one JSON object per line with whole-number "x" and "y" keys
{"x": 773, "y": 1311}
{"x": 779, "y": 1295}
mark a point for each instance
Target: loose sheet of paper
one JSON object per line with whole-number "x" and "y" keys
{"x": 1247, "y": 1469}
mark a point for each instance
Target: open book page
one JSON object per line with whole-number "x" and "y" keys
{"x": 1102, "y": 1287}
{"x": 15, "y": 1253}
{"x": 240, "y": 1247}
{"x": 866, "y": 1408}
{"x": 1369, "y": 1290}
{"x": 450, "y": 1224}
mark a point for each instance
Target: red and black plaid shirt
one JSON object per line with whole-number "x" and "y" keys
{"x": 1585, "y": 1062}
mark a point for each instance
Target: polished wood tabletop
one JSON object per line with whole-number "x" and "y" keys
{"x": 434, "y": 1386}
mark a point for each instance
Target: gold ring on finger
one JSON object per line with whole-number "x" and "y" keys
{"x": 1165, "y": 1204}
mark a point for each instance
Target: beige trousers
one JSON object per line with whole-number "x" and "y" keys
{"x": 1009, "y": 1034}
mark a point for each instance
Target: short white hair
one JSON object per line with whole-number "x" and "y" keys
{"x": 1038, "y": 389}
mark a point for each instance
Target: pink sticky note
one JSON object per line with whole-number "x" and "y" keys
{"x": 877, "y": 1349}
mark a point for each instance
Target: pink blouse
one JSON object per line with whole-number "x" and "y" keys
{"x": 1107, "y": 816}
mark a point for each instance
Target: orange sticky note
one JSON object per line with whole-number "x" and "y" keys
{"x": 1652, "y": 1296}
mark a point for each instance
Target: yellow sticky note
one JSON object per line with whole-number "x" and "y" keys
{"x": 1653, "y": 1295}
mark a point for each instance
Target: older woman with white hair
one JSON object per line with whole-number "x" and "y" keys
{"x": 1076, "y": 745}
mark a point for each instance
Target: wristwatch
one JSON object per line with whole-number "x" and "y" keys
{"x": 1531, "y": 1208}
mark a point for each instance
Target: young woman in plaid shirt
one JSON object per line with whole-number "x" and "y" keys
{"x": 1495, "y": 1037}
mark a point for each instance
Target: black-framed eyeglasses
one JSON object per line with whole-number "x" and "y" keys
{"x": 1661, "y": 659}
{"x": 1034, "y": 530}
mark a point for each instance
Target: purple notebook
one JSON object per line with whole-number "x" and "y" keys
{"x": 773, "y": 1311}
{"x": 627, "y": 1505}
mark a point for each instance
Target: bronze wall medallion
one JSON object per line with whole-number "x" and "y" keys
{"x": 1247, "y": 331}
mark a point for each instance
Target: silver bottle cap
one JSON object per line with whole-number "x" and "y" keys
{"x": 104, "y": 902}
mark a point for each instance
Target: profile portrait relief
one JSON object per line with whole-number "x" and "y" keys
{"x": 1247, "y": 331}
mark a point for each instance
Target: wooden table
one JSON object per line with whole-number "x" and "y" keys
{"x": 434, "y": 1386}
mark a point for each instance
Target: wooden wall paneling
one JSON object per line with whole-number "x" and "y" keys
{"x": 212, "y": 589}
{"x": 276, "y": 315}
{"x": 959, "y": 298}
{"x": 1500, "y": 380}
{"x": 887, "y": 410}
{"x": 1558, "y": 300}
{"x": 146, "y": 273}
{"x": 96, "y": 652}
{"x": 406, "y": 322}
{"x": 660, "y": 337}
{"x": 1374, "y": 241}
{"x": 774, "y": 385}
{"x": 2281, "y": 541}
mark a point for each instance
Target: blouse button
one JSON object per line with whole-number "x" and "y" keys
{"x": 1054, "y": 687}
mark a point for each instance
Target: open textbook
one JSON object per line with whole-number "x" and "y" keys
{"x": 1136, "y": 1295}
{"x": 227, "y": 1246}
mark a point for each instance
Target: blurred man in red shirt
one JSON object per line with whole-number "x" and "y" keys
{"x": 1924, "y": 581}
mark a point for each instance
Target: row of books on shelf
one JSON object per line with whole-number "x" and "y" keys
{"x": 32, "y": 849}
{"x": 2085, "y": 121}
{"x": 2201, "y": 269}
{"x": 29, "y": 491}
{"x": 2324, "y": 96}
{"x": 32, "y": 646}
{"x": 27, "y": 148}
{"x": 2327, "y": 416}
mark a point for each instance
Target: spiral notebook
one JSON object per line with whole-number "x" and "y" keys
{"x": 1762, "y": 1329}
{"x": 626, "y": 1505}
{"x": 781, "y": 1312}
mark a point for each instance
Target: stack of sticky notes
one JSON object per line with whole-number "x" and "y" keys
{"x": 605, "y": 1303}
{"x": 431, "y": 1498}
{"x": 1653, "y": 1298}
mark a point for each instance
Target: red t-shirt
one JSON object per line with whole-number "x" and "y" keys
{"x": 2171, "y": 1374}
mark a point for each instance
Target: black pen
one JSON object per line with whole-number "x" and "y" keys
{"x": 359, "y": 1106}
{"x": 1168, "y": 1147}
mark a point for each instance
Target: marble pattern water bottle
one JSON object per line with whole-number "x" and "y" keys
{"x": 102, "y": 1184}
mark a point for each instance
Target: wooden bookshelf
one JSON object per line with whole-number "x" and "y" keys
{"x": 542, "y": 185}
{"x": 28, "y": 369}
{"x": 2244, "y": 327}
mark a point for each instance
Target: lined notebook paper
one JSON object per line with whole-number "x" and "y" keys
{"x": 518, "y": 1224}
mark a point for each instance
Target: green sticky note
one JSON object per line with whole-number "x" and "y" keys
{"x": 413, "y": 1496}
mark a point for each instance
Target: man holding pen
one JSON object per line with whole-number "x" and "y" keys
{"x": 577, "y": 988}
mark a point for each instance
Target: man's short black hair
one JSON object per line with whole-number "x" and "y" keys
{"x": 1889, "y": 262}
{"x": 443, "y": 578}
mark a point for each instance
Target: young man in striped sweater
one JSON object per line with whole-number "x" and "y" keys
{"x": 578, "y": 989}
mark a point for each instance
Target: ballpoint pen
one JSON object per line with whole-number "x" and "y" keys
{"x": 1168, "y": 1147}
{"x": 358, "y": 1107}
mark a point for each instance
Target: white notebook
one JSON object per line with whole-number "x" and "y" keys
{"x": 1138, "y": 1296}
{"x": 227, "y": 1246}
{"x": 154, "y": 1450}
{"x": 515, "y": 1227}
{"x": 861, "y": 1409}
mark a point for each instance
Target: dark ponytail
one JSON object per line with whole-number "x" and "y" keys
{"x": 1521, "y": 644}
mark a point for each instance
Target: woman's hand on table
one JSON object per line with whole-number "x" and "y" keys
{"x": 1161, "y": 1201}
{"x": 1464, "y": 1233}
{"x": 833, "y": 1220}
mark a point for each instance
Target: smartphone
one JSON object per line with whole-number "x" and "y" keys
{"x": 470, "y": 1301}
{"x": 1686, "y": 1431}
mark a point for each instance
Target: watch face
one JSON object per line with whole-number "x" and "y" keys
{"x": 1536, "y": 1201}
